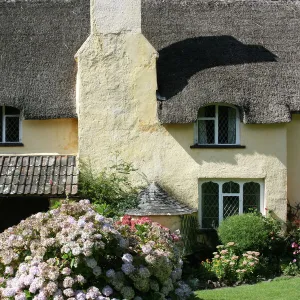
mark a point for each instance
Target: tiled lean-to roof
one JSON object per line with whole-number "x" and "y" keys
{"x": 51, "y": 175}
{"x": 155, "y": 201}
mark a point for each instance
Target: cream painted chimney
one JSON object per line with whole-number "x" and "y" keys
{"x": 115, "y": 16}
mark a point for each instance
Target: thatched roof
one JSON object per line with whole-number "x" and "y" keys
{"x": 242, "y": 52}
{"x": 155, "y": 201}
{"x": 38, "y": 41}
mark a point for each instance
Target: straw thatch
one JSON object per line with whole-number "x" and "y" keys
{"x": 245, "y": 53}
{"x": 38, "y": 40}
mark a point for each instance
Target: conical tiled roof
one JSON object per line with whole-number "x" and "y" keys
{"x": 154, "y": 200}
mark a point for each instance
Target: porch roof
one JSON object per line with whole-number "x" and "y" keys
{"x": 155, "y": 201}
{"x": 52, "y": 175}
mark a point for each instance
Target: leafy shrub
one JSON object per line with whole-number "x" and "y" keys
{"x": 74, "y": 253}
{"x": 230, "y": 268}
{"x": 293, "y": 268}
{"x": 250, "y": 231}
{"x": 110, "y": 191}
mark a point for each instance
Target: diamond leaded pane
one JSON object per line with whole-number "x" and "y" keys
{"x": 206, "y": 131}
{"x": 230, "y": 206}
{"x": 227, "y": 125}
{"x": 210, "y": 205}
{"x": 251, "y": 196}
{"x": 12, "y": 129}
{"x": 231, "y": 187}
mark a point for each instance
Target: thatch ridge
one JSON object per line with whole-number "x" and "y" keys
{"x": 244, "y": 53}
{"x": 38, "y": 41}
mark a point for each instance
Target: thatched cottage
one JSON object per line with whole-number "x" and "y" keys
{"x": 202, "y": 96}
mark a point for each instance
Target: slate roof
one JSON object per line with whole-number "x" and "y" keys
{"x": 241, "y": 52}
{"x": 155, "y": 201}
{"x": 38, "y": 175}
{"x": 38, "y": 41}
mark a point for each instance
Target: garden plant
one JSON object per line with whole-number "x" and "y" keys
{"x": 73, "y": 252}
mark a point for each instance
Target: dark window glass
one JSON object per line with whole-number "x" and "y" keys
{"x": 207, "y": 112}
{"x": 210, "y": 205}
{"x": 230, "y": 206}
{"x": 12, "y": 129}
{"x": 206, "y": 131}
{"x": 251, "y": 196}
{"x": 231, "y": 187}
{"x": 9, "y": 110}
{"x": 227, "y": 125}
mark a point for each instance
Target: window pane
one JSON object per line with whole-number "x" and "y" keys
{"x": 9, "y": 110}
{"x": 230, "y": 206}
{"x": 207, "y": 112}
{"x": 231, "y": 187}
{"x": 227, "y": 125}
{"x": 251, "y": 196}
{"x": 210, "y": 205}
{"x": 206, "y": 131}
{"x": 12, "y": 129}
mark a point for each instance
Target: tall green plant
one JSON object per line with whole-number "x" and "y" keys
{"x": 110, "y": 190}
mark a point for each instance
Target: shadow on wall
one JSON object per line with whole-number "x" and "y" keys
{"x": 180, "y": 61}
{"x": 259, "y": 139}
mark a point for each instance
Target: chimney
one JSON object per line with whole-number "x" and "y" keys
{"x": 115, "y": 16}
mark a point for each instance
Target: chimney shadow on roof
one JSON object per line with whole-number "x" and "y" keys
{"x": 180, "y": 61}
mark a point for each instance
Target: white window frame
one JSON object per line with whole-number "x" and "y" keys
{"x": 241, "y": 183}
{"x": 4, "y": 116}
{"x": 216, "y": 119}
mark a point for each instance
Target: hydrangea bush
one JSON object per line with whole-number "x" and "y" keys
{"x": 72, "y": 252}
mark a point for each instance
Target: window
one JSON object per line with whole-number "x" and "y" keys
{"x": 221, "y": 199}
{"x": 217, "y": 125}
{"x": 10, "y": 125}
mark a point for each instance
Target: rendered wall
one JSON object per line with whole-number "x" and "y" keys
{"x": 293, "y": 162}
{"x": 59, "y": 136}
{"x": 117, "y": 112}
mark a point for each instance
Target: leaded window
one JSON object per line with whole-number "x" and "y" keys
{"x": 223, "y": 198}
{"x": 217, "y": 125}
{"x": 10, "y": 125}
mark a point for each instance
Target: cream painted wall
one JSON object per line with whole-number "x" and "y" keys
{"x": 118, "y": 112}
{"x": 59, "y": 136}
{"x": 293, "y": 162}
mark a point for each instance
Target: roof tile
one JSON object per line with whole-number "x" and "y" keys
{"x": 156, "y": 201}
{"x": 55, "y": 175}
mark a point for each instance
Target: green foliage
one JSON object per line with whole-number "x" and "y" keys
{"x": 251, "y": 231}
{"x": 230, "y": 268}
{"x": 281, "y": 289}
{"x": 110, "y": 191}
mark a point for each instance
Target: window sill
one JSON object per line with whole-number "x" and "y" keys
{"x": 11, "y": 144}
{"x": 196, "y": 146}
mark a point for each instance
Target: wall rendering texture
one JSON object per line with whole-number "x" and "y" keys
{"x": 293, "y": 162}
{"x": 57, "y": 136}
{"x": 117, "y": 109}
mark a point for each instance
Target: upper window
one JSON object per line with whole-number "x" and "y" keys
{"x": 217, "y": 125}
{"x": 10, "y": 125}
{"x": 221, "y": 199}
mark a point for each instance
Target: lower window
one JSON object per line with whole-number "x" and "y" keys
{"x": 222, "y": 198}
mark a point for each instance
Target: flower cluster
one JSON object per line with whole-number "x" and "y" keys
{"x": 231, "y": 268}
{"x": 74, "y": 253}
{"x": 293, "y": 268}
